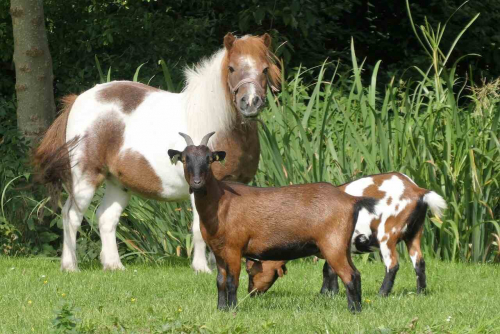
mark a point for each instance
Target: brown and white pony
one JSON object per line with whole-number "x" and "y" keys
{"x": 118, "y": 133}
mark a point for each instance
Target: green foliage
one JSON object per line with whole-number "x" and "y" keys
{"x": 26, "y": 224}
{"x": 65, "y": 320}
{"x": 340, "y": 130}
{"x": 131, "y": 32}
{"x": 439, "y": 128}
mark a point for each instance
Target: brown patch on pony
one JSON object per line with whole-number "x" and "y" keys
{"x": 51, "y": 159}
{"x": 129, "y": 94}
{"x": 102, "y": 143}
{"x": 135, "y": 173}
{"x": 258, "y": 48}
{"x": 102, "y": 158}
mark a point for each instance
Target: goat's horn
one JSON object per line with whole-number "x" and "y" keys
{"x": 205, "y": 139}
{"x": 188, "y": 139}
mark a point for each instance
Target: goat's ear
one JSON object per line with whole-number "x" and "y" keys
{"x": 253, "y": 267}
{"x": 218, "y": 156}
{"x": 174, "y": 156}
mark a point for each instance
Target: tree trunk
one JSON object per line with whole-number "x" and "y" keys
{"x": 35, "y": 95}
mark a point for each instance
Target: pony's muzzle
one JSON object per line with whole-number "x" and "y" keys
{"x": 250, "y": 105}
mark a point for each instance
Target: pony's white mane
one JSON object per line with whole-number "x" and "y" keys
{"x": 208, "y": 108}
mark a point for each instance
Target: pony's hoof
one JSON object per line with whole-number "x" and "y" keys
{"x": 201, "y": 267}
{"x": 113, "y": 266}
{"x": 69, "y": 268}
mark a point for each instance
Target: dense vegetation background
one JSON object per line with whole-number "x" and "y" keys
{"x": 440, "y": 128}
{"x": 124, "y": 34}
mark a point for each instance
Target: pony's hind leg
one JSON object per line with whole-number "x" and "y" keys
{"x": 114, "y": 202}
{"x": 72, "y": 215}
{"x": 200, "y": 263}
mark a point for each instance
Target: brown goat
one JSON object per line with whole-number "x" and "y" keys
{"x": 270, "y": 223}
{"x": 400, "y": 215}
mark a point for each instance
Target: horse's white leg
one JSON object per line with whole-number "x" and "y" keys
{"x": 199, "y": 259}
{"x": 114, "y": 202}
{"x": 72, "y": 214}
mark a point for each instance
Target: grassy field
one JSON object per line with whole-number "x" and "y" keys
{"x": 170, "y": 298}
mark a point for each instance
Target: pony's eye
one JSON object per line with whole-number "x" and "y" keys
{"x": 231, "y": 69}
{"x": 265, "y": 70}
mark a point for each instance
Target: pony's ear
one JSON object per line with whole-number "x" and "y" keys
{"x": 229, "y": 40}
{"x": 219, "y": 156}
{"x": 266, "y": 38}
{"x": 174, "y": 156}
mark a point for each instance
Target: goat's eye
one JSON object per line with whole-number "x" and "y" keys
{"x": 231, "y": 69}
{"x": 265, "y": 70}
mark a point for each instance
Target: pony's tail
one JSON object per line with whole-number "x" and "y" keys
{"x": 51, "y": 159}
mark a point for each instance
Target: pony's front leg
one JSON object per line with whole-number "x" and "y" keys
{"x": 114, "y": 202}
{"x": 199, "y": 259}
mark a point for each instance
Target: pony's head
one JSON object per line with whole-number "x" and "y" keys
{"x": 247, "y": 69}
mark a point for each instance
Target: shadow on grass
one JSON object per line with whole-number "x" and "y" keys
{"x": 167, "y": 262}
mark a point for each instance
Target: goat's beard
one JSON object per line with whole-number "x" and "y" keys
{"x": 202, "y": 191}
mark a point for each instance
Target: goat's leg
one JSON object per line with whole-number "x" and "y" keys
{"x": 390, "y": 257}
{"x": 114, "y": 202}
{"x": 418, "y": 260}
{"x": 228, "y": 277}
{"x": 200, "y": 264}
{"x": 339, "y": 259}
{"x": 72, "y": 215}
{"x": 221, "y": 285}
{"x": 233, "y": 281}
{"x": 330, "y": 280}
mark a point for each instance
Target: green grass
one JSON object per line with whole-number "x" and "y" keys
{"x": 148, "y": 298}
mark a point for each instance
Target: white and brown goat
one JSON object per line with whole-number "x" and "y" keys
{"x": 399, "y": 216}
{"x": 270, "y": 223}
